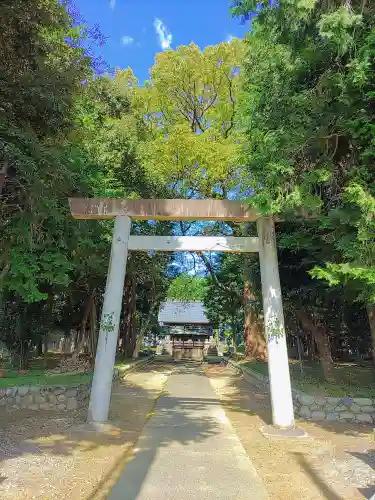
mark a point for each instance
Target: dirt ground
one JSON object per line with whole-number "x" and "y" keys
{"x": 48, "y": 455}
{"x": 336, "y": 461}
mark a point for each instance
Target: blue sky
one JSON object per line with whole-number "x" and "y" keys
{"x": 135, "y": 30}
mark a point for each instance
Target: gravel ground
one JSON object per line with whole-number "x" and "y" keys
{"x": 336, "y": 461}
{"x": 48, "y": 455}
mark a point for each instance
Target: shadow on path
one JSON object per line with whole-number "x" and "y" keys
{"x": 38, "y": 445}
{"x": 338, "y": 458}
{"x": 172, "y": 424}
{"x": 244, "y": 397}
{"x": 187, "y": 449}
{"x": 368, "y": 458}
{"x": 323, "y": 487}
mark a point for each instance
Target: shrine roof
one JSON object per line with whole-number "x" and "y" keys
{"x": 182, "y": 313}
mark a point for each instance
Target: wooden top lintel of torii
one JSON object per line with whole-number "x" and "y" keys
{"x": 168, "y": 209}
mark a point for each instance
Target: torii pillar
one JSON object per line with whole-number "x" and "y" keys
{"x": 109, "y": 323}
{"x": 278, "y": 361}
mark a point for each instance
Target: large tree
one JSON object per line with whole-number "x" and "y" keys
{"x": 42, "y": 68}
{"x": 64, "y": 132}
{"x": 308, "y": 118}
{"x": 223, "y": 299}
{"x": 111, "y": 132}
{"x": 189, "y": 109}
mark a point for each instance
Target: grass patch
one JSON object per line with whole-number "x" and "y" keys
{"x": 123, "y": 364}
{"x": 39, "y": 377}
{"x": 352, "y": 379}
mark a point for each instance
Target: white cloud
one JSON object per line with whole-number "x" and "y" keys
{"x": 229, "y": 38}
{"x": 112, "y": 4}
{"x": 127, "y": 40}
{"x": 165, "y": 37}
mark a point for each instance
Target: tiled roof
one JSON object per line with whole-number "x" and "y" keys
{"x": 183, "y": 313}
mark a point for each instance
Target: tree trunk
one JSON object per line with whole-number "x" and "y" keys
{"x": 39, "y": 348}
{"x": 322, "y": 342}
{"x": 21, "y": 340}
{"x": 81, "y": 334}
{"x": 3, "y": 174}
{"x": 299, "y": 350}
{"x": 45, "y": 352}
{"x": 311, "y": 347}
{"x": 66, "y": 344}
{"x": 23, "y": 355}
{"x": 129, "y": 334}
{"x": 126, "y": 323}
{"x": 138, "y": 344}
{"x": 371, "y": 318}
{"x": 335, "y": 349}
{"x": 234, "y": 343}
{"x": 93, "y": 332}
{"x": 324, "y": 348}
{"x": 255, "y": 343}
{"x": 234, "y": 334}
{"x": 142, "y": 332}
{"x": 133, "y": 319}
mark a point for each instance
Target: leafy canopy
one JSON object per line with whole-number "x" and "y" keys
{"x": 187, "y": 287}
{"x": 189, "y": 108}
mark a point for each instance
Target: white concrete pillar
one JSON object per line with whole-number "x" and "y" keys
{"x": 278, "y": 365}
{"x": 109, "y": 324}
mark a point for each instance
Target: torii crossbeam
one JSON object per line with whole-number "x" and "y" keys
{"x": 123, "y": 211}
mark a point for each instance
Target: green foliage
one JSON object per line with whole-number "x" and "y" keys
{"x": 189, "y": 109}
{"x": 39, "y": 378}
{"x": 287, "y": 116}
{"x": 308, "y": 116}
{"x": 41, "y": 51}
{"x": 352, "y": 380}
{"x": 40, "y": 168}
{"x": 187, "y": 288}
{"x": 223, "y": 298}
{"x": 63, "y": 132}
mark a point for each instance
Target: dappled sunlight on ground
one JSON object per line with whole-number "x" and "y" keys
{"x": 326, "y": 465}
{"x": 48, "y": 455}
{"x": 188, "y": 449}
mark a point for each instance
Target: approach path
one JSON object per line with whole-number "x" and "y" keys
{"x": 188, "y": 449}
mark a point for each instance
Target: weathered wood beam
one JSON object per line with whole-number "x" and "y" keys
{"x": 210, "y": 210}
{"x": 194, "y": 243}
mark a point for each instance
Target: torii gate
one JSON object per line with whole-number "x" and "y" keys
{"x": 123, "y": 211}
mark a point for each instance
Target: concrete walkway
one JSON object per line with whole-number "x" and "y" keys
{"x": 188, "y": 449}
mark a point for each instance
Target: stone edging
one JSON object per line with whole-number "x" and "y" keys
{"x": 310, "y": 407}
{"x": 257, "y": 379}
{"x": 44, "y": 397}
{"x": 56, "y": 397}
{"x": 122, "y": 373}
